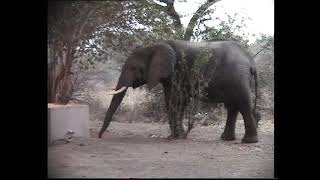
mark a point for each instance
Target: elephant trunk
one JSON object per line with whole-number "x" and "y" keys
{"x": 115, "y": 102}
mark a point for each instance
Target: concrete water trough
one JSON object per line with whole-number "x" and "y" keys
{"x": 67, "y": 120}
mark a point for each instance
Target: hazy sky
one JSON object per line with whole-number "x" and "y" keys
{"x": 261, "y": 12}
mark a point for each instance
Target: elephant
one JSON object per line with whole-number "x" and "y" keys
{"x": 227, "y": 75}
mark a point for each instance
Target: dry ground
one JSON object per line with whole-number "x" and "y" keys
{"x": 141, "y": 150}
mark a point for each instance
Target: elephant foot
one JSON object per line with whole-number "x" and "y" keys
{"x": 171, "y": 137}
{"x": 175, "y": 136}
{"x": 249, "y": 139}
{"x": 228, "y": 136}
{"x": 183, "y": 136}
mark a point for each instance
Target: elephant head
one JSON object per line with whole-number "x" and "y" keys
{"x": 144, "y": 66}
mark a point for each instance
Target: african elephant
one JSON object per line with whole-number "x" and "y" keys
{"x": 227, "y": 72}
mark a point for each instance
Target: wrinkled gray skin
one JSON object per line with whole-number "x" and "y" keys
{"x": 230, "y": 74}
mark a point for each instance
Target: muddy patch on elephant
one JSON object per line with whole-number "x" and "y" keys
{"x": 141, "y": 150}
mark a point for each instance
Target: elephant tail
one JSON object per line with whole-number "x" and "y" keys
{"x": 255, "y": 75}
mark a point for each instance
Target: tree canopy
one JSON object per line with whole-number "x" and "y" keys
{"x": 84, "y": 33}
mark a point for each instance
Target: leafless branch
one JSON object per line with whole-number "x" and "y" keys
{"x": 78, "y": 34}
{"x": 265, "y": 47}
{"x": 259, "y": 52}
{"x": 199, "y": 13}
{"x": 206, "y": 19}
{"x": 170, "y": 10}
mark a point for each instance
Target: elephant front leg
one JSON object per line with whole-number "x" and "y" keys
{"x": 175, "y": 116}
{"x": 176, "y": 126}
{"x": 181, "y": 131}
{"x": 175, "y": 109}
{"x": 172, "y": 125}
{"x": 171, "y": 114}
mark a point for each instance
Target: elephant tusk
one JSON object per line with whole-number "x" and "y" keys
{"x": 117, "y": 91}
{"x": 113, "y": 88}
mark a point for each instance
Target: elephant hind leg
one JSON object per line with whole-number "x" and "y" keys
{"x": 245, "y": 104}
{"x": 251, "y": 135}
{"x": 229, "y": 130}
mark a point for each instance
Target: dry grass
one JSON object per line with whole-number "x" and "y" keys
{"x": 141, "y": 105}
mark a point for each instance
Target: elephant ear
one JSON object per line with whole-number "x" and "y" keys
{"x": 161, "y": 64}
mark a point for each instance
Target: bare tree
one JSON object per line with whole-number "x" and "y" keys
{"x": 180, "y": 32}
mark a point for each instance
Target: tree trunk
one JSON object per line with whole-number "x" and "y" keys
{"x": 53, "y": 77}
{"x": 51, "y": 88}
{"x": 59, "y": 78}
{"x": 65, "y": 91}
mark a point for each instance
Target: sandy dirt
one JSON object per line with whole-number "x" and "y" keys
{"x": 141, "y": 150}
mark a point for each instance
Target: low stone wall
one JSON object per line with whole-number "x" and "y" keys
{"x": 66, "y": 121}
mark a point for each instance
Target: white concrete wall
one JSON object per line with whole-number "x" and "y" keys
{"x": 65, "y": 118}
